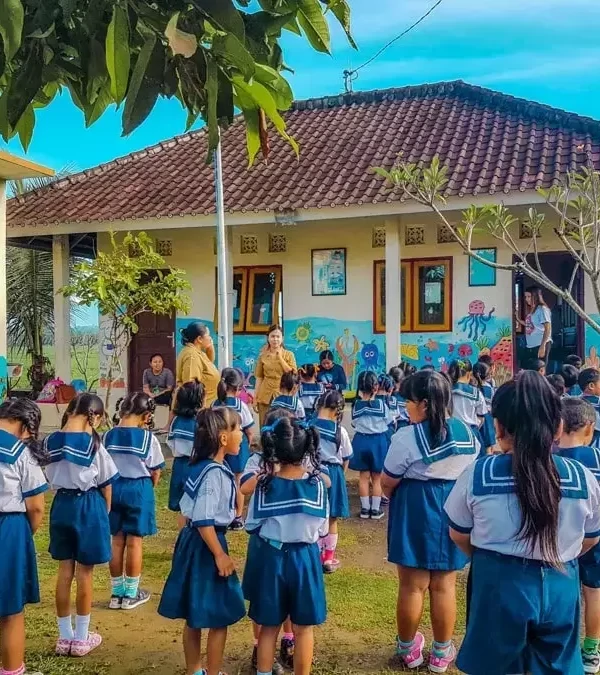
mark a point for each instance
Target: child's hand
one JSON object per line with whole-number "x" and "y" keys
{"x": 225, "y": 565}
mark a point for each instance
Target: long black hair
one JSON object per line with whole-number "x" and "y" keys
{"x": 210, "y": 423}
{"x": 136, "y": 403}
{"x": 333, "y": 400}
{"x": 407, "y": 368}
{"x": 570, "y": 375}
{"x": 29, "y": 415}
{"x": 385, "y": 384}
{"x": 288, "y": 441}
{"x": 529, "y": 410}
{"x": 481, "y": 373}
{"x": 86, "y": 405}
{"x": 231, "y": 380}
{"x": 459, "y": 368}
{"x": 433, "y": 388}
{"x": 192, "y": 332}
{"x": 289, "y": 381}
{"x": 397, "y": 375}
{"x": 189, "y": 399}
{"x": 557, "y": 382}
{"x": 308, "y": 371}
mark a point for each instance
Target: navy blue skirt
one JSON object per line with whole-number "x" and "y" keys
{"x": 369, "y": 452}
{"x": 194, "y": 591}
{"x": 285, "y": 581}
{"x": 133, "y": 508}
{"x": 339, "y": 506}
{"x": 179, "y": 474}
{"x": 487, "y": 431}
{"x": 418, "y": 528}
{"x": 79, "y": 527}
{"x": 19, "y": 584}
{"x": 237, "y": 463}
{"x": 589, "y": 567}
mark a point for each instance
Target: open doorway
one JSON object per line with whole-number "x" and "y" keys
{"x": 567, "y": 327}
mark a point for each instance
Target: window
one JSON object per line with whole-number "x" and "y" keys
{"x": 425, "y": 288}
{"x": 256, "y": 298}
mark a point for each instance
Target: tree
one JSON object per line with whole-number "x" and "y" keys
{"x": 126, "y": 281}
{"x": 574, "y": 206}
{"x": 84, "y": 351}
{"x": 211, "y": 55}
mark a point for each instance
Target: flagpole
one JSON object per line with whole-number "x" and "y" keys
{"x": 222, "y": 262}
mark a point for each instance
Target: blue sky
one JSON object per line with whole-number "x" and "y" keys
{"x": 544, "y": 50}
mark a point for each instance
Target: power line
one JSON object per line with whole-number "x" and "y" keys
{"x": 351, "y": 75}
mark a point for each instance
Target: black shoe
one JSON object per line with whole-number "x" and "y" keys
{"x": 286, "y": 653}
{"x": 377, "y": 514}
{"x": 278, "y": 669}
{"x": 141, "y": 598}
{"x": 237, "y": 524}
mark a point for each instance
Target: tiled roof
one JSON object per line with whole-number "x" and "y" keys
{"x": 491, "y": 143}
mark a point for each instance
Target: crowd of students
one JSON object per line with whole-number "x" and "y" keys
{"x": 506, "y": 478}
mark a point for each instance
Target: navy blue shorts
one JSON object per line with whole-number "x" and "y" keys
{"x": 369, "y": 452}
{"x": 339, "y": 506}
{"x": 179, "y": 474}
{"x": 18, "y": 565}
{"x": 133, "y": 508}
{"x": 589, "y": 567}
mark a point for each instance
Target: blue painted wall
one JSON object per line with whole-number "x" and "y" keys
{"x": 3, "y": 378}
{"x": 592, "y": 345}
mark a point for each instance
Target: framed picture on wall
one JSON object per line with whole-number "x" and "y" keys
{"x": 481, "y": 274}
{"x": 328, "y": 271}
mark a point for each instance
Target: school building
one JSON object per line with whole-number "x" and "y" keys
{"x": 321, "y": 244}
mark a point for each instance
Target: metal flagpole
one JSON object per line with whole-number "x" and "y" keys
{"x": 222, "y": 262}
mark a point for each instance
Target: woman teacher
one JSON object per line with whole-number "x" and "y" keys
{"x": 273, "y": 361}
{"x": 538, "y": 327}
{"x": 196, "y": 360}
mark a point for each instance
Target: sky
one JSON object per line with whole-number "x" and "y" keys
{"x": 543, "y": 50}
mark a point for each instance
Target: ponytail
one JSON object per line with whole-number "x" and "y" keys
{"x": 28, "y": 414}
{"x": 231, "y": 381}
{"x": 481, "y": 372}
{"x": 90, "y": 406}
{"x": 433, "y": 388}
{"x": 210, "y": 424}
{"x": 458, "y": 369}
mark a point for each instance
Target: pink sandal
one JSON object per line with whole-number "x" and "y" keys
{"x": 84, "y": 647}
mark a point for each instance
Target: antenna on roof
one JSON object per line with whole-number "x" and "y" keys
{"x": 352, "y": 74}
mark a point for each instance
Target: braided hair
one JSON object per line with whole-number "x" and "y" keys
{"x": 138, "y": 404}
{"x": 28, "y": 414}
{"x": 86, "y": 405}
{"x": 333, "y": 400}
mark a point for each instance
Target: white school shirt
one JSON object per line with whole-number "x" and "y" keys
{"x": 136, "y": 452}
{"x": 468, "y": 403}
{"x": 534, "y": 326}
{"x": 181, "y": 436}
{"x": 329, "y": 453}
{"x": 253, "y": 467}
{"x": 370, "y": 417}
{"x": 412, "y": 456}
{"x": 75, "y": 466}
{"x": 291, "y": 403}
{"x": 309, "y": 394}
{"x": 290, "y": 511}
{"x": 209, "y": 495}
{"x": 20, "y": 475}
{"x": 241, "y": 408}
{"x": 594, "y": 401}
{"x": 483, "y": 504}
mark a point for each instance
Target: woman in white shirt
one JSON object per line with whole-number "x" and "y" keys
{"x": 538, "y": 327}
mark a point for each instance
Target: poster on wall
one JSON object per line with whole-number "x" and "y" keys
{"x": 329, "y": 271}
{"x": 481, "y": 274}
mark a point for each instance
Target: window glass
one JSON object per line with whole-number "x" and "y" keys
{"x": 432, "y": 294}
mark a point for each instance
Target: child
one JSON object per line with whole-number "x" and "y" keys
{"x": 557, "y": 382}
{"x": 310, "y": 389}
{"x": 538, "y": 365}
{"x": 468, "y": 402}
{"x": 398, "y": 377}
{"x": 188, "y": 401}
{"x": 570, "y": 375}
{"x": 228, "y": 392}
{"x": 575, "y": 361}
{"x": 82, "y": 472}
{"x": 589, "y": 382}
{"x": 421, "y": 467}
{"x": 335, "y": 449}
{"x": 288, "y": 398}
{"x": 524, "y": 517}
{"x": 370, "y": 443}
{"x": 482, "y": 374}
{"x": 385, "y": 389}
{"x": 203, "y": 587}
{"x": 22, "y": 487}
{"x": 579, "y": 420}
{"x": 287, "y": 514}
{"x": 138, "y": 457}
{"x": 407, "y": 368}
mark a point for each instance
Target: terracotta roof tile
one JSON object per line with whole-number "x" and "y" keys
{"x": 490, "y": 142}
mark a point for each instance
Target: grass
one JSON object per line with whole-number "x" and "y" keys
{"x": 93, "y": 365}
{"x": 357, "y": 639}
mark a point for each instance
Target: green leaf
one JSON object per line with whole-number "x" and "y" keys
{"x": 5, "y": 129}
{"x": 292, "y": 25}
{"x": 12, "y": 16}
{"x": 2, "y": 57}
{"x": 231, "y": 50}
{"x": 117, "y": 53}
{"x": 39, "y": 33}
{"x": 103, "y": 100}
{"x": 252, "y": 133}
{"x": 277, "y": 85}
{"x": 145, "y": 84}
{"x": 224, "y": 14}
{"x": 68, "y": 7}
{"x": 25, "y": 127}
{"x": 212, "y": 93}
{"x": 180, "y": 42}
{"x": 341, "y": 11}
{"x": 25, "y": 86}
{"x": 314, "y": 25}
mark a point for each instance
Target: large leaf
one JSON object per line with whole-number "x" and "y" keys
{"x": 12, "y": 16}
{"x": 117, "y": 53}
{"x": 230, "y": 49}
{"x": 212, "y": 92}
{"x": 313, "y": 23}
{"x": 23, "y": 89}
{"x": 277, "y": 85}
{"x": 180, "y": 42}
{"x": 341, "y": 11}
{"x": 103, "y": 100}
{"x": 25, "y": 127}
{"x": 224, "y": 15}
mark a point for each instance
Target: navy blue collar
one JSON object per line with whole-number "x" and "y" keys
{"x": 232, "y": 402}
{"x": 459, "y": 440}
{"x": 11, "y": 447}
{"x": 76, "y": 447}
{"x": 128, "y": 441}
{"x": 198, "y": 472}
{"x": 286, "y": 497}
{"x": 374, "y": 408}
{"x": 466, "y": 390}
{"x": 286, "y": 402}
{"x": 327, "y": 428}
{"x": 182, "y": 427}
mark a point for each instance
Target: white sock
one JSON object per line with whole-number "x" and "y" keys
{"x": 82, "y": 627}
{"x": 375, "y": 503}
{"x": 65, "y": 627}
{"x": 365, "y": 503}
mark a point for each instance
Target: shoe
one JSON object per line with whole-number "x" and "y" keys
{"x": 63, "y": 647}
{"x": 376, "y": 514}
{"x": 237, "y": 524}
{"x": 384, "y": 500}
{"x": 141, "y": 598}
{"x": 591, "y": 662}
{"x": 365, "y": 514}
{"x": 84, "y": 647}
{"x": 413, "y": 658}
{"x": 278, "y": 669}
{"x": 331, "y": 566}
{"x": 286, "y": 653}
{"x": 116, "y": 602}
{"x": 440, "y": 664}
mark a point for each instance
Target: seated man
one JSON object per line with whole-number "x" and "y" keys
{"x": 159, "y": 381}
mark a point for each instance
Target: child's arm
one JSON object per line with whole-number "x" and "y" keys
{"x": 462, "y": 540}
{"x": 248, "y": 484}
{"x": 155, "y": 477}
{"x": 107, "y": 474}
{"x": 249, "y": 435}
{"x": 107, "y": 494}
{"x": 155, "y": 461}
{"x": 35, "y": 511}
{"x": 223, "y": 562}
{"x": 33, "y": 486}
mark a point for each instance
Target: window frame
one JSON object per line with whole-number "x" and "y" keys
{"x": 446, "y": 326}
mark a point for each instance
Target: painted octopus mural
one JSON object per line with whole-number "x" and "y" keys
{"x": 476, "y": 320}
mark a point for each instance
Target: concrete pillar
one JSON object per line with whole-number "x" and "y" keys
{"x": 393, "y": 297}
{"x": 62, "y": 307}
{"x": 3, "y": 342}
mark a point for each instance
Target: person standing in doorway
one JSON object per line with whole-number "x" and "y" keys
{"x": 273, "y": 361}
{"x": 158, "y": 381}
{"x": 196, "y": 360}
{"x": 538, "y": 327}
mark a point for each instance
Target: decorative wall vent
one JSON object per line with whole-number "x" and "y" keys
{"x": 249, "y": 243}
{"x": 378, "y": 237}
{"x": 277, "y": 243}
{"x": 164, "y": 247}
{"x": 444, "y": 235}
{"x": 414, "y": 234}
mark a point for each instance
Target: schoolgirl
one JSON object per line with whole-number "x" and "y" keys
{"x": 138, "y": 457}
{"x": 82, "y": 472}
{"x": 228, "y": 395}
{"x": 579, "y": 420}
{"x": 335, "y": 449}
{"x": 203, "y": 587}
{"x": 570, "y": 375}
{"x": 524, "y": 517}
{"x": 589, "y": 382}
{"x": 188, "y": 401}
{"x": 482, "y": 374}
{"x": 468, "y": 402}
{"x": 22, "y": 487}
{"x": 398, "y": 377}
{"x": 385, "y": 390}
{"x": 288, "y": 398}
{"x": 557, "y": 382}
{"x": 310, "y": 390}
{"x": 286, "y": 516}
{"x": 421, "y": 467}
{"x": 370, "y": 443}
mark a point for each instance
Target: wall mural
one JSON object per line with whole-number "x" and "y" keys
{"x": 592, "y": 345}
{"x": 3, "y": 377}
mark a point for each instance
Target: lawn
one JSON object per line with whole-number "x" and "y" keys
{"x": 358, "y": 637}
